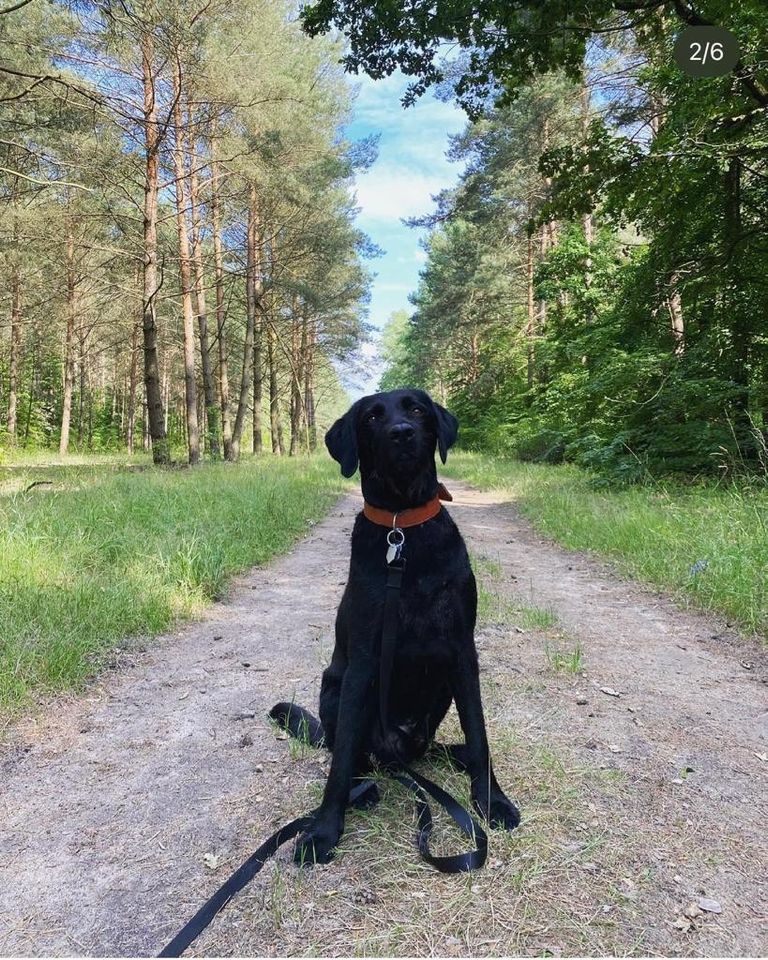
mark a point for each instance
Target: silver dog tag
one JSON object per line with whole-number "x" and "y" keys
{"x": 395, "y": 539}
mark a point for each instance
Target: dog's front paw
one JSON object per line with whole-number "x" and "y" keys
{"x": 316, "y": 845}
{"x": 499, "y": 812}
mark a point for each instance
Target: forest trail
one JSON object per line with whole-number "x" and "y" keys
{"x": 124, "y": 809}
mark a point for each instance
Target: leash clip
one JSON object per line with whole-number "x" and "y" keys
{"x": 395, "y": 539}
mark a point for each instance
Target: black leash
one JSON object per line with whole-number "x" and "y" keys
{"x": 243, "y": 875}
{"x": 301, "y": 724}
{"x": 418, "y": 785}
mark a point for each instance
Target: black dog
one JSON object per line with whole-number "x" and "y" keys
{"x": 394, "y": 435}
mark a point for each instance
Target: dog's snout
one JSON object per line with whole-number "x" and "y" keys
{"x": 401, "y": 431}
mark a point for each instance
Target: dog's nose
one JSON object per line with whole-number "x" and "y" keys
{"x": 400, "y": 431}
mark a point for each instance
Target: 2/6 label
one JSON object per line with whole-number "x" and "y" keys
{"x": 706, "y": 51}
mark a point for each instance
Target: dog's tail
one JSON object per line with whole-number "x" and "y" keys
{"x": 299, "y": 723}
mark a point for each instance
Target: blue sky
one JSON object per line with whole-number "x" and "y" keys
{"x": 410, "y": 168}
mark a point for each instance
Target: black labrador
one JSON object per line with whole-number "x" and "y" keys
{"x": 393, "y": 436}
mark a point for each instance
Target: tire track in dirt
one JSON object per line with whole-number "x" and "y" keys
{"x": 122, "y": 810}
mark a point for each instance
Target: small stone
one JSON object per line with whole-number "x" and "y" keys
{"x": 692, "y": 911}
{"x": 259, "y": 768}
{"x": 709, "y": 905}
{"x": 582, "y": 702}
{"x": 610, "y": 692}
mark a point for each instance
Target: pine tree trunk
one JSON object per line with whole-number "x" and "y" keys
{"x": 69, "y": 346}
{"x": 742, "y": 332}
{"x": 133, "y": 380}
{"x": 530, "y": 327}
{"x": 543, "y": 249}
{"x": 586, "y": 220}
{"x": 185, "y": 273}
{"x": 33, "y": 387}
{"x": 275, "y": 428}
{"x": 155, "y": 416}
{"x": 15, "y": 355}
{"x": 295, "y": 383}
{"x": 675, "y": 307}
{"x": 145, "y": 439}
{"x": 81, "y": 396}
{"x": 218, "y": 258}
{"x": 209, "y": 386}
{"x": 258, "y": 377}
{"x": 252, "y": 290}
{"x": 309, "y": 385}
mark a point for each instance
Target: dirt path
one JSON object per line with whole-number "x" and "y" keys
{"x": 120, "y": 812}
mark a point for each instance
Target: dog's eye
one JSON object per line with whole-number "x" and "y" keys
{"x": 371, "y": 418}
{"x": 417, "y": 411}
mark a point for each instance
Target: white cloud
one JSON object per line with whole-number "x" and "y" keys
{"x": 387, "y": 193}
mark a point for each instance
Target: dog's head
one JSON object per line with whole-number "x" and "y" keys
{"x": 393, "y": 436}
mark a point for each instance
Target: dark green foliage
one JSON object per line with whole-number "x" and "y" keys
{"x": 504, "y": 43}
{"x": 642, "y": 349}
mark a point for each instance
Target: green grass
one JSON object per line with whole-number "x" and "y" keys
{"x": 565, "y": 661}
{"x": 706, "y": 543}
{"x": 100, "y": 553}
{"x": 494, "y": 607}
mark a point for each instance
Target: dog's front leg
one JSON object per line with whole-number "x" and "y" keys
{"x": 487, "y": 795}
{"x": 356, "y": 715}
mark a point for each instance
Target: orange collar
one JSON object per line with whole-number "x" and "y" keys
{"x": 408, "y": 518}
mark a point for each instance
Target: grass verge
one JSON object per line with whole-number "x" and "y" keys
{"x": 707, "y": 543}
{"x": 95, "y": 553}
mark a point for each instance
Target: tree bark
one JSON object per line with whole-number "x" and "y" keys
{"x": 13, "y": 360}
{"x": 295, "y": 382}
{"x": 155, "y": 415}
{"x": 543, "y": 248}
{"x": 130, "y": 425}
{"x": 252, "y": 291}
{"x": 258, "y": 377}
{"x": 209, "y": 386}
{"x": 69, "y": 345}
{"x": 742, "y": 332}
{"x": 309, "y": 384}
{"x": 190, "y": 382}
{"x": 530, "y": 327}
{"x": 586, "y": 220}
{"x": 675, "y": 307}
{"x": 221, "y": 318}
{"x": 275, "y": 429}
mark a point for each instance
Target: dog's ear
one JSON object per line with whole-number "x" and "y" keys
{"x": 341, "y": 441}
{"x": 447, "y": 429}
